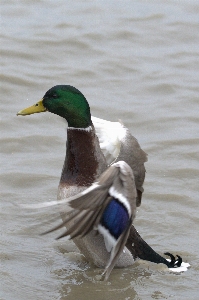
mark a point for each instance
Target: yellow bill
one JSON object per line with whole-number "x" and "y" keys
{"x": 36, "y": 108}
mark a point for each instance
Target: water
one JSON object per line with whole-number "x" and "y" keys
{"x": 133, "y": 60}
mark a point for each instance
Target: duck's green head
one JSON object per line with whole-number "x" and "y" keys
{"x": 65, "y": 101}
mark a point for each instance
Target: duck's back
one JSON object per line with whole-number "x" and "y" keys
{"x": 118, "y": 144}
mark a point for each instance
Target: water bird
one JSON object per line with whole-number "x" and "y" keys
{"x": 101, "y": 183}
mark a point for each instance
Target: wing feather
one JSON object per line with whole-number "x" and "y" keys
{"x": 115, "y": 253}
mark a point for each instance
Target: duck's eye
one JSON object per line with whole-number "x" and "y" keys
{"x": 54, "y": 96}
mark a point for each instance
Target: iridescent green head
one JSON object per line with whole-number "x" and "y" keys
{"x": 65, "y": 101}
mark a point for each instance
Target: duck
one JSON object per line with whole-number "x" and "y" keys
{"x": 101, "y": 184}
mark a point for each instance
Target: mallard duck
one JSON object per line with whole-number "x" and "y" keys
{"x": 101, "y": 182}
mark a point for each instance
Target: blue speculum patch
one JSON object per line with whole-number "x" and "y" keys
{"x": 115, "y": 218}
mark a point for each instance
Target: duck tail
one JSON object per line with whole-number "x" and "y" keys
{"x": 140, "y": 249}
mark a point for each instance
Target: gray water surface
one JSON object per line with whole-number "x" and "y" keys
{"x": 137, "y": 61}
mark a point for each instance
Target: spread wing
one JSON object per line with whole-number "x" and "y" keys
{"x": 108, "y": 206}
